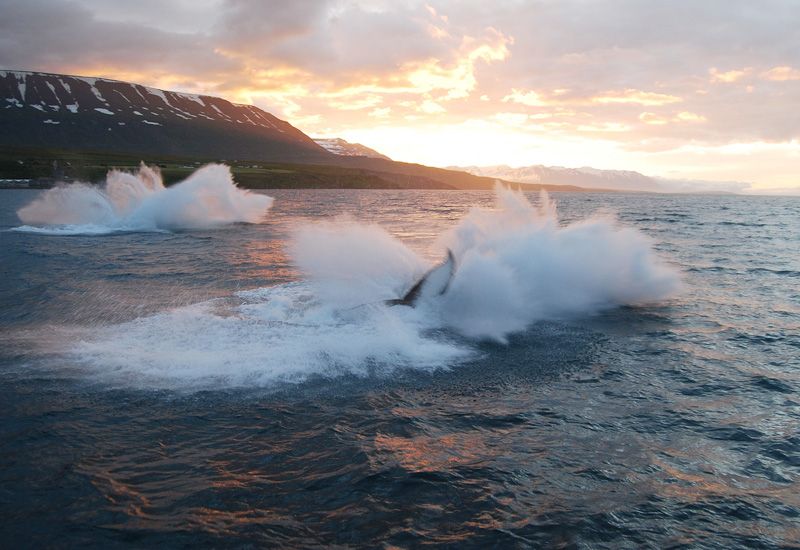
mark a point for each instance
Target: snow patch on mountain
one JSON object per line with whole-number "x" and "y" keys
{"x": 338, "y": 146}
{"x": 103, "y": 94}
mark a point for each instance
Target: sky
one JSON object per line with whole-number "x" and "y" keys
{"x": 680, "y": 89}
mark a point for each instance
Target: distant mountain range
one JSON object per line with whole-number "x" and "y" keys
{"x": 592, "y": 178}
{"x": 87, "y": 124}
{"x": 338, "y": 146}
{"x": 43, "y": 113}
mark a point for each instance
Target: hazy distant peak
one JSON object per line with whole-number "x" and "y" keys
{"x": 594, "y": 178}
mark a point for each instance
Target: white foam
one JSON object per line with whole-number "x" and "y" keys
{"x": 68, "y": 230}
{"x": 140, "y": 202}
{"x": 104, "y": 111}
{"x": 277, "y": 334}
{"x": 515, "y": 265}
{"x": 518, "y": 265}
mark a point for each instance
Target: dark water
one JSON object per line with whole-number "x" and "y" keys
{"x": 675, "y": 425}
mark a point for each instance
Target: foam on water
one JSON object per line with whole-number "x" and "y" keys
{"x": 275, "y": 334}
{"x": 140, "y": 202}
{"x": 515, "y": 265}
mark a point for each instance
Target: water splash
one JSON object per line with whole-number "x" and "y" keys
{"x": 139, "y": 201}
{"x": 516, "y": 265}
{"x": 258, "y": 338}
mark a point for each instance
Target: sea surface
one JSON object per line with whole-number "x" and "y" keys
{"x": 134, "y": 409}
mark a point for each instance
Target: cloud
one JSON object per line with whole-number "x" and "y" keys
{"x": 526, "y": 97}
{"x": 728, "y": 77}
{"x": 686, "y": 116}
{"x": 652, "y": 118}
{"x": 431, "y": 107}
{"x": 681, "y": 117}
{"x": 636, "y": 79}
{"x": 637, "y": 97}
{"x": 533, "y": 98}
{"x": 781, "y": 74}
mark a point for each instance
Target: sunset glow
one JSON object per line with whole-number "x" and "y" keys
{"x": 711, "y": 94}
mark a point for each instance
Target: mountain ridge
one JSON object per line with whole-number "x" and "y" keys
{"x": 105, "y": 114}
{"x": 599, "y": 179}
{"x": 74, "y": 121}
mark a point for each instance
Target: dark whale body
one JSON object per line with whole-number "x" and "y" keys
{"x": 434, "y": 282}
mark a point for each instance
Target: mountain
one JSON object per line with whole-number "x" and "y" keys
{"x": 593, "y": 178}
{"x": 54, "y": 126}
{"x": 583, "y": 177}
{"x": 74, "y": 112}
{"x": 338, "y": 146}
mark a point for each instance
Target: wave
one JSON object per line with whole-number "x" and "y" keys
{"x": 139, "y": 201}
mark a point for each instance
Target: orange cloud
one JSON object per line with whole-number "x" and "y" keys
{"x": 604, "y": 127}
{"x": 654, "y": 119}
{"x": 529, "y": 98}
{"x": 431, "y": 107}
{"x": 687, "y": 116}
{"x": 533, "y": 98}
{"x": 635, "y": 96}
{"x": 781, "y": 74}
{"x": 457, "y": 78}
{"x": 728, "y": 77}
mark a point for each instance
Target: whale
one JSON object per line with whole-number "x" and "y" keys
{"x": 434, "y": 283}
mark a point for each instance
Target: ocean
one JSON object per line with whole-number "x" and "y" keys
{"x": 623, "y": 382}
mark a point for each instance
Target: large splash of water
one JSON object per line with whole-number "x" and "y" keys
{"x": 139, "y": 201}
{"x": 516, "y": 264}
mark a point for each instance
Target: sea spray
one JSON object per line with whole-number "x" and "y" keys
{"x": 139, "y": 201}
{"x": 516, "y": 265}
{"x": 351, "y": 263}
